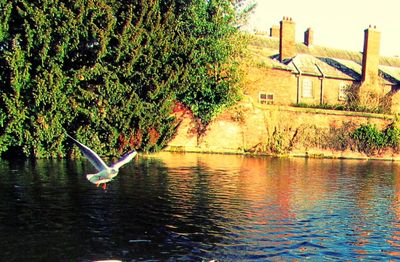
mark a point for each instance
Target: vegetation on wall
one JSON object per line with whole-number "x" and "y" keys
{"x": 284, "y": 137}
{"x": 344, "y": 107}
{"x": 370, "y": 140}
{"x": 109, "y": 72}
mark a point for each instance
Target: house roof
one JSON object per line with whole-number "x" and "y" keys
{"x": 323, "y": 61}
{"x": 390, "y": 74}
{"x": 348, "y": 67}
{"x": 265, "y": 57}
{"x": 311, "y": 65}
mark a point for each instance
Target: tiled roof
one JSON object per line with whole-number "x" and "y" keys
{"x": 310, "y": 65}
{"x": 266, "y": 57}
{"x": 390, "y": 73}
{"x": 332, "y": 62}
{"x": 348, "y": 67}
{"x": 318, "y": 51}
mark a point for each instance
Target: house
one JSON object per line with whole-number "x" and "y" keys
{"x": 288, "y": 73}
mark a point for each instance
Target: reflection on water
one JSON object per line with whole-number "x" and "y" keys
{"x": 195, "y": 207}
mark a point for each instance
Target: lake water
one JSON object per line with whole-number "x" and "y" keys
{"x": 201, "y": 207}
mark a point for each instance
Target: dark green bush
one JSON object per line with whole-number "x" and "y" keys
{"x": 392, "y": 134}
{"x": 109, "y": 72}
{"x": 369, "y": 139}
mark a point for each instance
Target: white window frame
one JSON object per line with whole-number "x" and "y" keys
{"x": 343, "y": 92}
{"x": 265, "y": 98}
{"x": 307, "y": 88}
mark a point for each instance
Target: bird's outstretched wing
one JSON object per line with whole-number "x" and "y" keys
{"x": 96, "y": 161}
{"x": 124, "y": 159}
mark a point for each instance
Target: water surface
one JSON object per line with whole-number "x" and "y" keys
{"x": 201, "y": 207}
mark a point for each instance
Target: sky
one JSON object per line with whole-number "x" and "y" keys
{"x": 336, "y": 23}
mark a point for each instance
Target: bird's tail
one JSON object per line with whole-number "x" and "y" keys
{"x": 89, "y": 176}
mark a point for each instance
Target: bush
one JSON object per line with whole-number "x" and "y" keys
{"x": 109, "y": 72}
{"x": 369, "y": 139}
{"x": 392, "y": 135}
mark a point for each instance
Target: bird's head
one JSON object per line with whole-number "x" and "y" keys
{"x": 113, "y": 172}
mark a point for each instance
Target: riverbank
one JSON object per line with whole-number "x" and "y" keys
{"x": 250, "y": 128}
{"x": 308, "y": 154}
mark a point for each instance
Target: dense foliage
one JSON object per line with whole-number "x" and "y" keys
{"x": 370, "y": 140}
{"x": 109, "y": 72}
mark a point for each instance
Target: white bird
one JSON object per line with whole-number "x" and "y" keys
{"x": 105, "y": 173}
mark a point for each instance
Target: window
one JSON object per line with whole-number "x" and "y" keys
{"x": 308, "y": 88}
{"x": 343, "y": 91}
{"x": 265, "y": 98}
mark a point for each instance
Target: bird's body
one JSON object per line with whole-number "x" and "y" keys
{"x": 101, "y": 177}
{"x": 105, "y": 173}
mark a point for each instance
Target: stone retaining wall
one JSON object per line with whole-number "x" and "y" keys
{"x": 247, "y": 125}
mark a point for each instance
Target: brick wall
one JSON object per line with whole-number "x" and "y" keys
{"x": 288, "y": 88}
{"x": 331, "y": 90}
{"x": 259, "y": 124}
{"x": 280, "y": 83}
{"x": 283, "y": 85}
{"x": 328, "y": 86}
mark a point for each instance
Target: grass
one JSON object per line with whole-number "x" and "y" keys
{"x": 341, "y": 107}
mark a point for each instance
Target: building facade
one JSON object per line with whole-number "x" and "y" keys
{"x": 289, "y": 72}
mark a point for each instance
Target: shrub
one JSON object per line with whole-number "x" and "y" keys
{"x": 109, "y": 72}
{"x": 392, "y": 134}
{"x": 369, "y": 139}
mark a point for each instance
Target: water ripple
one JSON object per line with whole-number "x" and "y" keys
{"x": 202, "y": 207}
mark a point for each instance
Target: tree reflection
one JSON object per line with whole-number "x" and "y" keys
{"x": 202, "y": 206}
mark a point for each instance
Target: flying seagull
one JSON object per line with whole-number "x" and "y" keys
{"x": 105, "y": 173}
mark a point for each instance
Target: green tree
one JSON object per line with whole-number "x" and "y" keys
{"x": 210, "y": 46}
{"x": 109, "y": 72}
{"x": 243, "y": 9}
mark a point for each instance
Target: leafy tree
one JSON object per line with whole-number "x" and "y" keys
{"x": 109, "y": 72}
{"x": 211, "y": 78}
{"x": 243, "y": 9}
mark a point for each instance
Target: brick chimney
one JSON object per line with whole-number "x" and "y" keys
{"x": 287, "y": 42}
{"x": 372, "y": 39}
{"x": 274, "y": 31}
{"x": 309, "y": 37}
